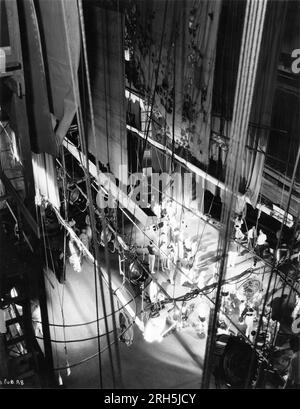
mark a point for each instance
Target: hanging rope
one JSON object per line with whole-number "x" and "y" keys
{"x": 119, "y": 372}
{"x": 250, "y": 46}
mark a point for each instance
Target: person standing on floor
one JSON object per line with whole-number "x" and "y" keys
{"x": 239, "y": 236}
{"x": 85, "y": 241}
{"x": 232, "y": 254}
{"x": 238, "y": 222}
{"x": 251, "y": 238}
{"x": 249, "y": 316}
{"x": 261, "y": 243}
{"x": 171, "y": 265}
{"x": 164, "y": 253}
{"x": 88, "y": 229}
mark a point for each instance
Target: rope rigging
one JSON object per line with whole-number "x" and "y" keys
{"x": 237, "y": 144}
{"x": 251, "y": 39}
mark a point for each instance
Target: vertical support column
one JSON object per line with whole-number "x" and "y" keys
{"x": 19, "y": 116}
{"x": 249, "y": 53}
{"x": 19, "y": 122}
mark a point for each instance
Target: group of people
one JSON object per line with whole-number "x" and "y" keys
{"x": 288, "y": 248}
{"x": 255, "y": 242}
{"x": 173, "y": 250}
{"x": 76, "y": 253}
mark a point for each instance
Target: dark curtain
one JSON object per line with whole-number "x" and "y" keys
{"x": 227, "y": 58}
{"x": 229, "y": 41}
{"x": 262, "y": 105}
{"x": 135, "y": 147}
{"x": 104, "y": 35}
{"x": 225, "y": 77}
{"x": 283, "y": 146}
{"x": 40, "y": 122}
{"x": 60, "y": 40}
{"x": 4, "y": 36}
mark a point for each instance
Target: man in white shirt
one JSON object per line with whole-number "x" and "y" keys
{"x": 260, "y": 244}
{"x": 251, "y": 236}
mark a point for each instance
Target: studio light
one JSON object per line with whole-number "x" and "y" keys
{"x": 136, "y": 274}
{"x": 74, "y": 195}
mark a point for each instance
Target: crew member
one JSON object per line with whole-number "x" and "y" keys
{"x": 260, "y": 245}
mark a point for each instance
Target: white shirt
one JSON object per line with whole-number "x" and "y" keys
{"x": 261, "y": 239}
{"x": 251, "y": 233}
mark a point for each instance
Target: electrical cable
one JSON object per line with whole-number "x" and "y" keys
{"x": 84, "y": 323}
{"x": 69, "y": 341}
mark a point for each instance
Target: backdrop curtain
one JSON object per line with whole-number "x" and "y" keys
{"x": 228, "y": 50}
{"x": 261, "y": 112}
{"x": 172, "y": 51}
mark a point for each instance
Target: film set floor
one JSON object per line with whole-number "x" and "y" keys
{"x": 175, "y": 362}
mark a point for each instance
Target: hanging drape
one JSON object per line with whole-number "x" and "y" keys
{"x": 261, "y": 112}
{"x": 225, "y": 76}
{"x": 243, "y": 102}
{"x": 227, "y": 59}
{"x": 60, "y": 35}
{"x": 172, "y": 47}
{"x": 104, "y": 35}
{"x": 40, "y": 124}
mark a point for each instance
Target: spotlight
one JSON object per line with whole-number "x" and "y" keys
{"x": 155, "y": 293}
{"x": 136, "y": 273}
{"x": 203, "y": 309}
{"x": 74, "y": 195}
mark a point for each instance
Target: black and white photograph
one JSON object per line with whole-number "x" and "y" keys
{"x": 150, "y": 197}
